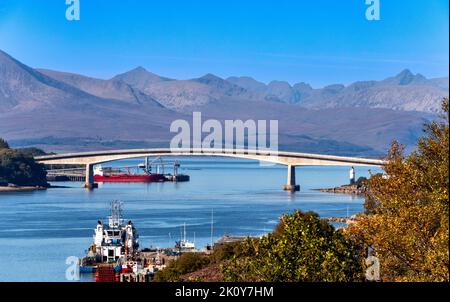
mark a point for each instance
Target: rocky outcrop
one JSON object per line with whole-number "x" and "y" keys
{"x": 345, "y": 189}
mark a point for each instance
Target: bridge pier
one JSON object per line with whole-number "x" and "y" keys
{"x": 89, "y": 180}
{"x": 291, "y": 186}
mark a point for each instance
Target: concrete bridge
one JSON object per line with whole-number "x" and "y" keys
{"x": 289, "y": 159}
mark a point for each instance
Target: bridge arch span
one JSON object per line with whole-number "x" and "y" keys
{"x": 290, "y": 159}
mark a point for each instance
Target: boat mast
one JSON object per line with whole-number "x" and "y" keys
{"x": 116, "y": 214}
{"x": 212, "y": 226}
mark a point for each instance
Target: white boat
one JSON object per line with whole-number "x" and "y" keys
{"x": 113, "y": 243}
{"x": 183, "y": 244}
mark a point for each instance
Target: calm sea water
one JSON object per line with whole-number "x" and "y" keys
{"x": 39, "y": 230}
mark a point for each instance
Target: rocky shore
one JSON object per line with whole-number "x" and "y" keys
{"x": 345, "y": 189}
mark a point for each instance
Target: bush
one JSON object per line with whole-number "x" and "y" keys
{"x": 187, "y": 263}
{"x": 226, "y": 252}
{"x": 302, "y": 248}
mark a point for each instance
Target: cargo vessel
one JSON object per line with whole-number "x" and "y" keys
{"x": 120, "y": 175}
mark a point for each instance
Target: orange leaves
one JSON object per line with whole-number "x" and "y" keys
{"x": 408, "y": 210}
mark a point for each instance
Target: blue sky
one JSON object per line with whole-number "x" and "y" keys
{"x": 320, "y": 41}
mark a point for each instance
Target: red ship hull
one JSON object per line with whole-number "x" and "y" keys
{"x": 129, "y": 178}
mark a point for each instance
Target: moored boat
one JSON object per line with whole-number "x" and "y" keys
{"x": 113, "y": 244}
{"x": 183, "y": 244}
{"x": 119, "y": 175}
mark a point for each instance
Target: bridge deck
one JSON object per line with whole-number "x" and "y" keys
{"x": 290, "y": 159}
{"x": 278, "y": 157}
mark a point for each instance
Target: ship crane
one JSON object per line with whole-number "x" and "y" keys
{"x": 160, "y": 165}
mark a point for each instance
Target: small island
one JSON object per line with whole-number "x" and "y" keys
{"x": 345, "y": 189}
{"x": 359, "y": 187}
{"x": 19, "y": 171}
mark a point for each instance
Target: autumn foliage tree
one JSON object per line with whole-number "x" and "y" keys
{"x": 407, "y": 209}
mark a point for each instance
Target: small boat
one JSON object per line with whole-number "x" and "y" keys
{"x": 183, "y": 244}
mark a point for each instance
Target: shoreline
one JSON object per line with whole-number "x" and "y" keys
{"x": 5, "y": 189}
{"x": 21, "y": 189}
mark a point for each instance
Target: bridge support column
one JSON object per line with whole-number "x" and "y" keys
{"x": 89, "y": 180}
{"x": 291, "y": 186}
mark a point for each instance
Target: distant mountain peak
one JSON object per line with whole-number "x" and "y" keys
{"x": 210, "y": 76}
{"x": 404, "y": 73}
{"x": 248, "y": 83}
{"x": 139, "y": 69}
{"x": 140, "y": 78}
{"x": 302, "y": 86}
{"x": 406, "y": 77}
{"x": 211, "y": 79}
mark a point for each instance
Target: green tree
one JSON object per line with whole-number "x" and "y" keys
{"x": 3, "y": 144}
{"x": 303, "y": 247}
{"x": 226, "y": 251}
{"x": 21, "y": 169}
{"x": 408, "y": 209}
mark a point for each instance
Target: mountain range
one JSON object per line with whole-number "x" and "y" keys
{"x": 62, "y": 111}
{"x": 405, "y": 91}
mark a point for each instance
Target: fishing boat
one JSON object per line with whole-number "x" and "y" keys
{"x": 183, "y": 244}
{"x": 113, "y": 244}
